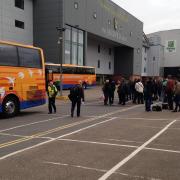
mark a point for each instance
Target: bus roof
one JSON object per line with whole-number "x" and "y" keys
{"x": 19, "y": 44}
{"x": 70, "y": 65}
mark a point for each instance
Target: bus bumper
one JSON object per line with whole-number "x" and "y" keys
{"x": 29, "y": 104}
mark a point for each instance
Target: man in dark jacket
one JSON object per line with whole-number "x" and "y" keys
{"x": 76, "y": 96}
{"x": 107, "y": 90}
{"x": 122, "y": 89}
{"x": 111, "y": 93}
{"x": 148, "y": 91}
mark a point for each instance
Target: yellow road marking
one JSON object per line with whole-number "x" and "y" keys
{"x": 61, "y": 128}
{"x": 43, "y": 133}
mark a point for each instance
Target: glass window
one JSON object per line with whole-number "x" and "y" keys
{"x": 81, "y": 37}
{"x": 80, "y": 55}
{"x": 74, "y": 53}
{"x": 79, "y": 70}
{"x": 76, "y": 5}
{"x": 99, "y": 48}
{"x": 8, "y": 55}
{"x": 55, "y": 69}
{"x": 67, "y": 53}
{"x": 68, "y": 70}
{"x": 19, "y": 24}
{"x": 74, "y": 46}
{"x": 68, "y": 35}
{"x": 19, "y": 4}
{"x": 145, "y": 70}
{"x": 109, "y": 65}
{"x": 99, "y": 64}
{"x": 74, "y": 35}
{"x": 94, "y": 15}
{"x": 29, "y": 57}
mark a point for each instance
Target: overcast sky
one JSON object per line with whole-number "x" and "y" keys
{"x": 156, "y": 15}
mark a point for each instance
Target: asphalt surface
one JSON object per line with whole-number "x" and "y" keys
{"x": 107, "y": 142}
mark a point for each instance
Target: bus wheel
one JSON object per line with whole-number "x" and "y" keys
{"x": 10, "y": 106}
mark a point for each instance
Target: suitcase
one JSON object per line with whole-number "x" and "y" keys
{"x": 156, "y": 108}
{"x": 164, "y": 105}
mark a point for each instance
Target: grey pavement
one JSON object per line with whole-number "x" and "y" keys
{"x": 106, "y": 142}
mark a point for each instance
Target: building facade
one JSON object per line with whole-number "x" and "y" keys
{"x": 92, "y": 32}
{"x": 165, "y": 49}
{"x": 95, "y": 33}
{"x": 16, "y": 19}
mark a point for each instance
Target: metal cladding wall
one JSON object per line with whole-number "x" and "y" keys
{"x": 8, "y": 14}
{"x": 105, "y": 19}
{"x": 101, "y": 18}
{"x": 47, "y": 16}
{"x": 111, "y": 22}
{"x": 171, "y": 54}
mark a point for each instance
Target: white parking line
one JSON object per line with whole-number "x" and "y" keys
{"x": 98, "y": 170}
{"x": 121, "y": 163}
{"x": 37, "y": 122}
{"x": 98, "y": 143}
{"x": 73, "y": 132}
{"x": 51, "y": 140}
{"x": 146, "y": 119}
{"x": 120, "y": 145}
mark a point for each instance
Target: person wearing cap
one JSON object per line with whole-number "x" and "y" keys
{"x": 52, "y": 92}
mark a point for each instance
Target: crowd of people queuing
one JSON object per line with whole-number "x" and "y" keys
{"x": 165, "y": 90}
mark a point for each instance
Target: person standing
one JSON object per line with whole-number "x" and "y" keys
{"x": 169, "y": 91}
{"x": 140, "y": 89}
{"x": 77, "y": 95}
{"x": 122, "y": 92}
{"x": 106, "y": 91}
{"x": 148, "y": 92}
{"x": 177, "y": 96}
{"x": 112, "y": 90}
{"x": 52, "y": 92}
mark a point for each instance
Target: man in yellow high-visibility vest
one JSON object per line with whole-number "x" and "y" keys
{"x": 52, "y": 92}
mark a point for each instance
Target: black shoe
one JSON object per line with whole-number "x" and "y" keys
{"x": 174, "y": 110}
{"x": 71, "y": 115}
{"x": 49, "y": 112}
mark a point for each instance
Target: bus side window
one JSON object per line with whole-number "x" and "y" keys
{"x": 29, "y": 57}
{"x": 8, "y": 55}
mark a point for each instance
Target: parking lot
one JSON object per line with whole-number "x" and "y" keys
{"x": 107, "y": 142}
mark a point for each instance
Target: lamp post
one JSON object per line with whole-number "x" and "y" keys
{"x": 61, "y": 58}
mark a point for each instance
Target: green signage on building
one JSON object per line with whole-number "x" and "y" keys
{"x": 171, "y": 46}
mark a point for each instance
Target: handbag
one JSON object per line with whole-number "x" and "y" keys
{"x": 102, "y": 97}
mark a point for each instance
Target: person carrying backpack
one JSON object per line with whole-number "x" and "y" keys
{"x": 52, "y": 92}
{"x": 76, "y": 96}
